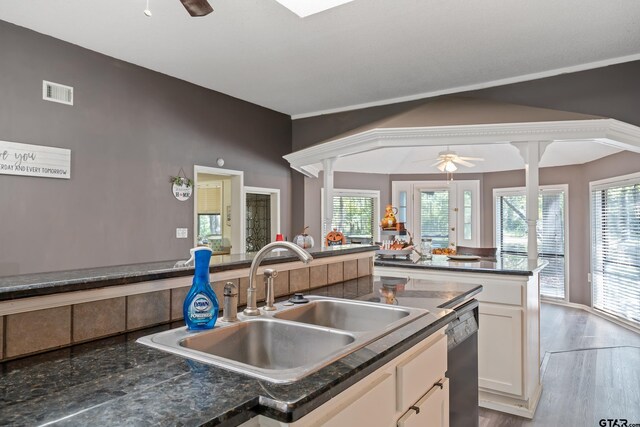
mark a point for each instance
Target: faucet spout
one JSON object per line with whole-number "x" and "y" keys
{"x": 252, "y": 309}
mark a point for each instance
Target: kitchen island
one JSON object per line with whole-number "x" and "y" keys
{"x": 116, "y": 381}
{"x": 509, "y": 334}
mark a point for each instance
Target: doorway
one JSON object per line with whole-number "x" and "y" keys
{"x": 219, "y": 209}
{"x": 446, "y": 212}
{"x": 262, "y": 223}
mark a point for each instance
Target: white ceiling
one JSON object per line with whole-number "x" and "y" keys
{"x": 360, "y": 53}
{"x": 498, "y": 157}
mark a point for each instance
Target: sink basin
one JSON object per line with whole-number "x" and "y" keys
{"x": 345, "y": 315}
{"x": 269, "y": 344}
{"x": 291, "y": 343}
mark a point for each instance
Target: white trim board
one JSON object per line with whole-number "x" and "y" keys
{"x": 476, "y": 86}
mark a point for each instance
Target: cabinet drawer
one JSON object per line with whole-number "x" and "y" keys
{"x": 501, "y": 293}
{"x": 419, "y": 372}
{"x": 432, "y": 410}
{"x": 372, "y": 407}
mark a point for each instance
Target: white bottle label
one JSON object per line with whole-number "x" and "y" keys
{"x": 200, "y": 308}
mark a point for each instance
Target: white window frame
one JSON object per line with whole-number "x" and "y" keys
{"x": 633, "y": 178}
{"x": 375, "y": 194}
{"x": 413, "y": 207}
{"x": 519, "y": 191}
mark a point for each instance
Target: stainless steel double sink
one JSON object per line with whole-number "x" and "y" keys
{"x": 290, "y": 343}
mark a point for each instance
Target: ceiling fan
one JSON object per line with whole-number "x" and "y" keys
{"x": 194, "y": 7}
{"x": 197, "y": 7}
{"x": 447, "y": 161}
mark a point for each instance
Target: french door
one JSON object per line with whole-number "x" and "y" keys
{"x": 444, "y": 211}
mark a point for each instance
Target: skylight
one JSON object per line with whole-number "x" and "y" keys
{"x": 304, "y": 8}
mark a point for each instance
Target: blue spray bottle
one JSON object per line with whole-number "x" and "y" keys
{"x": 200, "y": 306}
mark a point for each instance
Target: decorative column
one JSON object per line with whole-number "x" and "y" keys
{"x": 327, "y": 215}
{"x": 531, "y": 153}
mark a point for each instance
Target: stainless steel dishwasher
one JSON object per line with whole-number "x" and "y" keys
{"x": 462, "y": 366}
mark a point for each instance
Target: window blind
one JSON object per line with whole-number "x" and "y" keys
{"x": 353, "y": 215}
{"x": 511, "y": 235}
{"x": 615, "y": 213}
{"x": 434, "y": 217}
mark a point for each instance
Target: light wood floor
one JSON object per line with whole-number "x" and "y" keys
{"x": 592, "y": 371}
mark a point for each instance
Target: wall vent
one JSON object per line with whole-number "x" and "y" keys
{"x": 56, "y": 92}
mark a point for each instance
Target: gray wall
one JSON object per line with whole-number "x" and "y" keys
{"x": 612, "y": 91}
{"x": 130, "y": 128}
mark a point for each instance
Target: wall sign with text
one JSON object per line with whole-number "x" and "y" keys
{"x": 34, "y": 160}
{"x": 182, "y": 192}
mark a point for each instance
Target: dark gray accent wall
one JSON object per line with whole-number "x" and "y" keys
{"x": 129, "y": 130}
{"x": 612, "y": 91}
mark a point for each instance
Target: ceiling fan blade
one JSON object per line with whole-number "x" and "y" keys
{"x": 463, "y": 162}
{"x": 477, "y": 159}
{"x": 438, "y": 162}
{"x": 441, "y": 167}
{"x": 197, "y": 7}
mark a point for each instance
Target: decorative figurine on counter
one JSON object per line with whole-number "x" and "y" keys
{"x": 389, "y": 221}
{"x": 335, "y": 238}
{"x": 303, "y": 239}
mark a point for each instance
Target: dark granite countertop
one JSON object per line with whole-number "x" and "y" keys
{"x": 29, "y": 285}
{"x": 504, "y": 264}
{"x": 117, "y": 381}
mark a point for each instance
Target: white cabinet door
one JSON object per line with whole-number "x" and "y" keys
{"x": 500, "y": 348}
{"x": 375, "y": 407}
{"x": 432, "y": 410}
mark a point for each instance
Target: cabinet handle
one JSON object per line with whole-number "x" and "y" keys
{"x": 415, "y": 408}
{"x": 439, "y": 384}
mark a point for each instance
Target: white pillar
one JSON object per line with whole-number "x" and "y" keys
{"x": 327, "y": 215}
{"x": 531, "y": 152}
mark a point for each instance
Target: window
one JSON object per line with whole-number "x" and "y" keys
{"x": 434, "y": 217}
{"x": 209, "y": 225}
{"x": 467, "y": 210}
{"x": 511, "y": 233}
{"x": 355, "y": 214}
{"x": 615, "y": 235}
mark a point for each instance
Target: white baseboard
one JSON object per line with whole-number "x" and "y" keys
{"x": 620, "y": 322}
{"x": 515, "y": 407}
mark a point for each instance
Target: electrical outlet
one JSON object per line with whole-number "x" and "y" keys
{"x": 182, "y": 233}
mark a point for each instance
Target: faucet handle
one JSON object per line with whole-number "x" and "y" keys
{"x": 269, "y": 274}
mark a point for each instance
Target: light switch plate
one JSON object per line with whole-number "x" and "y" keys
{"x": 182, "y": 233}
